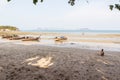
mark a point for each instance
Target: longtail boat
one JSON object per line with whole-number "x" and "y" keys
{"x": 31, "y": 39}
{"x": 62, "y": 38}
{"x": 9, "y": 36}
{"x": 16, "y": 38}
{"x": 6, "y": 36}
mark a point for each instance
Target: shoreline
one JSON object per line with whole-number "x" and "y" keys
{"x": 88, "y": 41}
{"x": 77, "y": 45}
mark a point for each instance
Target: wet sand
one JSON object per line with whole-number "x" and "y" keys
{"x": 109, "y": 42}
{"x": 36, "y": 62}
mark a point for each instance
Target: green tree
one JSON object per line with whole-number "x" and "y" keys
{"x": 72, "y": 2}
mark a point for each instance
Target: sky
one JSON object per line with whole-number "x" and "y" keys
{"x": 58, "y": 14}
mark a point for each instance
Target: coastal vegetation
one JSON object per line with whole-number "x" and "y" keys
{"x": 8, "y": 28}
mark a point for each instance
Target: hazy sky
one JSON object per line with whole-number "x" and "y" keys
{"x": 58, "y": 14}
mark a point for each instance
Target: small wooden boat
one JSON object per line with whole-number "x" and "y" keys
{"x": 6, "y": 36}
{"x": 31, "y": 39}
{"x": 9, "y": 36}
{"x": 16, "y": 38}
{"x": 62, "y": 38}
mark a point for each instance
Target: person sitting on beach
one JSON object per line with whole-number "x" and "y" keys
{"x": 102, "y": 52}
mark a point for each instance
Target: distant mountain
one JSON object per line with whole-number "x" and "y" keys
{"x": 84, "y": 29}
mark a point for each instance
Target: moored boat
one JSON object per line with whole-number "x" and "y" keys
{"x": 61, "y": 38}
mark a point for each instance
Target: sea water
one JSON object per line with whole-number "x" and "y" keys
{"x": 77, "y": 31}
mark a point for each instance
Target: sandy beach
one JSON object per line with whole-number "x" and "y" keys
{"x": 75, "y": 59}
{"x": 35, "y": 62}
{"x": 59, "y": 40}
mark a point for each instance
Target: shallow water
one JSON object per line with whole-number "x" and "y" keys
{"x": 82, "y": 45}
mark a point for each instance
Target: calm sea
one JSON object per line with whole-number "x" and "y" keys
{"x": 77, "y": 31}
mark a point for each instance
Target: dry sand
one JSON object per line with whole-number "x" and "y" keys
{"x": 35, "y": 62}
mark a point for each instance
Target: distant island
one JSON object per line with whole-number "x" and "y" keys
{"x": 8, "y": 28}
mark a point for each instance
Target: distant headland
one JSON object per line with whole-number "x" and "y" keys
{"x": 8, "y": 28}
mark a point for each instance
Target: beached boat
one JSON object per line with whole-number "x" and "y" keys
{"x": 31, "y": 39}
{"x": 9, "y": 36}
{"x": 16, "y": 38}
{"x": 61, "y": 38}
{"x": 6, "y": 36}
